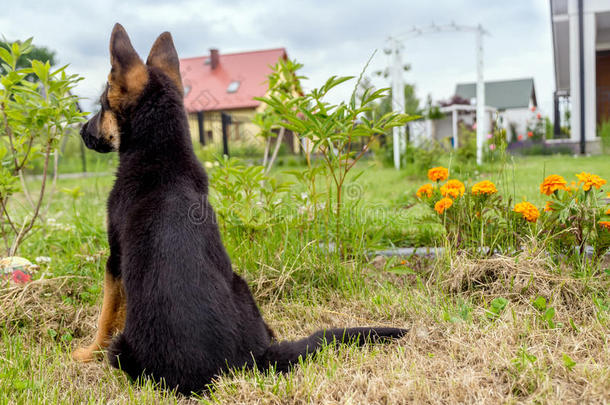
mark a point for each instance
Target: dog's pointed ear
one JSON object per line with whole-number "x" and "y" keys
{"x": 163, "y": 55}
{"x": 129, "y": 74}
{"x": 122, "y": 55}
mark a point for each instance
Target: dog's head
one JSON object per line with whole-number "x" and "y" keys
{"x": 128, "y": 79}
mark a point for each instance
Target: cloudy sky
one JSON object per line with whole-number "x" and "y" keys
{"x": 328, "y": 37}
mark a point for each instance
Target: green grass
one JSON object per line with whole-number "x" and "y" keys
{"x": 455, "y": 352}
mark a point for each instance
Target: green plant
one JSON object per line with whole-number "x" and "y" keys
{"x": 576, "y": 216}
{"x": 244, "y": 196}
{"x": 284, "y": 85}
{"x": 496, "y": 307}
{"x": 546, "y": 312}
{"x": 333, "y": 130}
{"x": 35, "y": 116}
{"x": 603, "y": 131}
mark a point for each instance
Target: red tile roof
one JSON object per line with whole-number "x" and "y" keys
{"x": 206, "y": 88}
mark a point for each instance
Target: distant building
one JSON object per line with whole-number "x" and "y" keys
{"x": 227, "y": 83}
{"x": 512, "y": 99}
{"x": 582, "y": 74}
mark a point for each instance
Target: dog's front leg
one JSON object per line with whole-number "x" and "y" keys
{"x": 112, "y": 318}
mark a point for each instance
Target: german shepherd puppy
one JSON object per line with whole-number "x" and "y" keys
{"x": 183, "y": 315}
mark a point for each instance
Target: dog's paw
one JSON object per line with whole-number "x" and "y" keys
{"x": 85, "y": 354}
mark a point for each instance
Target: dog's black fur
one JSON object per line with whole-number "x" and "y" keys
{"x": 189, "y": 316}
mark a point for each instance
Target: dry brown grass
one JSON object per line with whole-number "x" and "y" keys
{"x": 476, "y": 360}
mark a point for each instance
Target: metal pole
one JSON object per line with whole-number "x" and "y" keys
{"x": 200, "y": 127}
{"x": 481, "y": 118}
{"x": 556, "y": 117}
{"x": 398, "y": 101}
{"x": 226, "y": 120}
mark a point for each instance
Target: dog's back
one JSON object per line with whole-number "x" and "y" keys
{"x": 185, "y": 306}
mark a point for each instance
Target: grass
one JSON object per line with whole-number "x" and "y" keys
{"x": 462, "y": 347}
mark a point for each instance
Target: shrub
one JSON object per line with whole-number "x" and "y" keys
{"x": 34, "y": 115}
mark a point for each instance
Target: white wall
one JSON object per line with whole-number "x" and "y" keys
{"x": 519, "y": 117}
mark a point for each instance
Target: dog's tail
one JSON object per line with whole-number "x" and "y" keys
{"x": 283, "y": 355}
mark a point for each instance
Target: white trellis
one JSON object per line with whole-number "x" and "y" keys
{"x": 398, "y": 98}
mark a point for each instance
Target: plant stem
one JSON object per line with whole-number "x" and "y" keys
{"x": 278, "y": 143}
{"x": 28, "y": 225}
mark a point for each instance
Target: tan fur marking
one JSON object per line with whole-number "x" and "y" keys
{"x": 125, "y": 89}
{"x": 174, "y": 76}
{"x": 110, "y": 129}
{"x": 111, "y": 320}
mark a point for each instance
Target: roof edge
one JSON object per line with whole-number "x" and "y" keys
{"x": 239, "y": 53}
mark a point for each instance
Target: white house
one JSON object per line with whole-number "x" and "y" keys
{"x": 581, "y": 44}
{"x": 446, "y": 128}
{"x": 513, "y": 100}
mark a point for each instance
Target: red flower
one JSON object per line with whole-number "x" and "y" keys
{"x": 520, "y": 138}
{"x": 21, "y": 277}
{"x": 538, "y": 115}
{"x": 530, "y": 134}
{"x": 533, "y": 108}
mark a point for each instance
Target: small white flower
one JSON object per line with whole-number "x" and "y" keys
{"x": 43, "y": 259}
{"x": 304, "y": 196}
{"x": 208, "y": 165}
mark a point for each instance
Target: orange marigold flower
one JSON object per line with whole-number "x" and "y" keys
{"x": 453, "y": 188}
{"x": 527, "y": 210}
{"x": 552, "y": 183}
{"x": 438, "y": 173}
{"x": 425, "y": 190}
{"x": 484, "y": 187}
{"x": 608, "y": 211}
{"x": 443, "y": 204}
{"x": 605, "y": 224}
{"x": 549, "y": 206}
{"x": 590, "y": 180}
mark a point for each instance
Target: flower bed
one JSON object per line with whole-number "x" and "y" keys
{"x": 574, "y": 216}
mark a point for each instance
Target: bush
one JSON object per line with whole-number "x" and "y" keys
{"x": 35, "y": 115}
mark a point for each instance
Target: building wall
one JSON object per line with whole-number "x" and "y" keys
{"x": 242, "y": 127}
{"x": 518, "y": 117}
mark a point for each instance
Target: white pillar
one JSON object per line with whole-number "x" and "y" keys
{"x": 481, "y": 119}
{"x": 589, "y": 39}
{"x": 455, "y": 129}
{"x": 574, "y": 71}
{"x": 398, "y": 102}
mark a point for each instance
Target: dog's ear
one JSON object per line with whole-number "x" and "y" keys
{"x": 128, "y": 75}
{"x": 163, "y": 55}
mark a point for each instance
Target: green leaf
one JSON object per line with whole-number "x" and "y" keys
{"x": 568, "y": 362}
{"x": 539, "y": 303}
{"x": 6, "y": 56}
{"x": 496, "y": 307}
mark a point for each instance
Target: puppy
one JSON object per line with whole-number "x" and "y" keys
{"x": 183, "y": 315}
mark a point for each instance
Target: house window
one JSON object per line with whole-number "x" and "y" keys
{"x": 187, "y": 90}
{"x": 233, "y": 86}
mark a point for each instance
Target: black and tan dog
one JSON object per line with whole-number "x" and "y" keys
{"x": 183, "y": 315}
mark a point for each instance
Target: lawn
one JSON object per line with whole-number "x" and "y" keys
{"x": 462, "y": 347}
